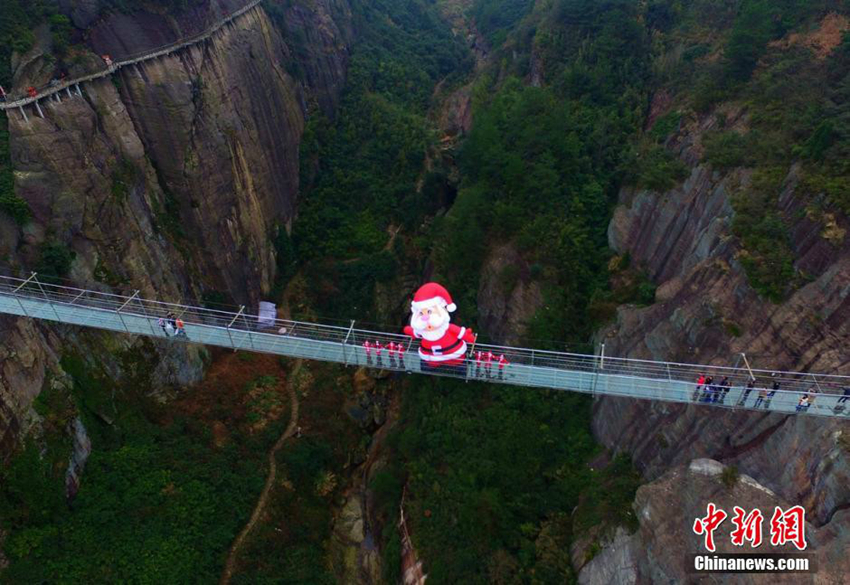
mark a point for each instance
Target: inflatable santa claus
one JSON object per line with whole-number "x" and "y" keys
{"x": 442, "y": 344}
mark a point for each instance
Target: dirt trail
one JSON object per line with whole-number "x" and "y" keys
{"x": 264, "y": 496}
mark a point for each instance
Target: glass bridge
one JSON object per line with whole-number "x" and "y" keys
{"x": 795, "y": 393}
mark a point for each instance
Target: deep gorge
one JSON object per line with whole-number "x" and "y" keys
{"x": 647, "y": 175}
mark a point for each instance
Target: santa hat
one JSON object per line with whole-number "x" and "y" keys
{"x": 431, "y": 294}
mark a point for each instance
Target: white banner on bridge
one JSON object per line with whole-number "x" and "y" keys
{"x": 266, "y": 315}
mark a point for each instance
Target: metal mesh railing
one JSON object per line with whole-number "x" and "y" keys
{"x": 792, "y": 392}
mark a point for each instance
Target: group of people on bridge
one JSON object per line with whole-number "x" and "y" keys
{"x": 173, "y": 326}
{"x": 393, "y": 349}
{"x": 484, "y": 360}
{"x": 707, "y": 391}
{"x": 488, "y": 358}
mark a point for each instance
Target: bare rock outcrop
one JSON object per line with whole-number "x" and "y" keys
{"x": 79, "y": 457}
{"x": 26, "y": 357}
{"x": 319, "y": 35}
{"x": 507, "y": 296}
{"x": 81, "y": 12}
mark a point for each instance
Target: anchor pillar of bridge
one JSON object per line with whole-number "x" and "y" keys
{"x": 68, "y": 91}
{"x": 77, "y": 87}
{"x": 38, "y": 107}
{"x": 24, "y": 114}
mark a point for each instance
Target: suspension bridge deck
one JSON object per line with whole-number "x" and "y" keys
{"x": 592, "y": 374}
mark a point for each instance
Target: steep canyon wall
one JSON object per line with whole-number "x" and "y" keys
{"x": 706, "y": 311}
{"x": 172, "y": 177}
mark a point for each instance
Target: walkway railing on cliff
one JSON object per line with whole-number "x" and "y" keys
{"x": 593, "y": 374}
{"x": 55, "y": 89}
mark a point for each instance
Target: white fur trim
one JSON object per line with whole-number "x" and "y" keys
{"x": 451, "y": 308}
{"x": 461, "y": 333}
{"x": 438, "y": 301}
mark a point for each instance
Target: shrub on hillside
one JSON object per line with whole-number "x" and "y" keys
{"x": 726, "y": 150}
{"x": 660, "y": 170}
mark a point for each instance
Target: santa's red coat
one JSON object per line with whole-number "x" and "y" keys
{"x": 449, "y": 350}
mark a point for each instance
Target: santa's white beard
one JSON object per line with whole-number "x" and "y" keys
{"x": 432, "y": 335}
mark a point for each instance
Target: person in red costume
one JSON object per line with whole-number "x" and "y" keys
{"x": 442, "y": 343}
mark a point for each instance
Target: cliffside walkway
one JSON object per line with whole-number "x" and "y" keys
{"x": 56, "y": 89}
{"x": 592, "y": 374}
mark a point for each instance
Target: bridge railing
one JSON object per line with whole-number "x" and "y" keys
{"x": 588, "y": 373}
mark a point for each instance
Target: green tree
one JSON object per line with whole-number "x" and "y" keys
{"x": 753, "y": 28}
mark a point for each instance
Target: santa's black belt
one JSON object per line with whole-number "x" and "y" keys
{"x": 445, "y": 350}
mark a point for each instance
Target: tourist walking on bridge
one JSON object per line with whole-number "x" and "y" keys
{"x": 488, "y": 363}
{"x": 709, "y": 390}
{"x": 502, "y": 363}
{"x": 700, "y": 383}
{"x": 840, "y": 404}
{"x": 750, "y": 385}
{"x": 180, "y": 326}
{"x": 761, "y": 399}
{"x": 722, "y": 390}
{"x": 400, "y": 351}
{"x": 805, "y": 402}
{"x": 773, "y": 390}
{"x": 167, "y": 329}
{"x": 378, "y": 349}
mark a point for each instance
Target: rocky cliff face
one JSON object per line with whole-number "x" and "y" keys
{"x": 25, "y": 358}
{"x": 507, "y": 297}
{"x": 169, "y": 178}
{"x": 319, "y": 35}
{"x": 707, "y": 312}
